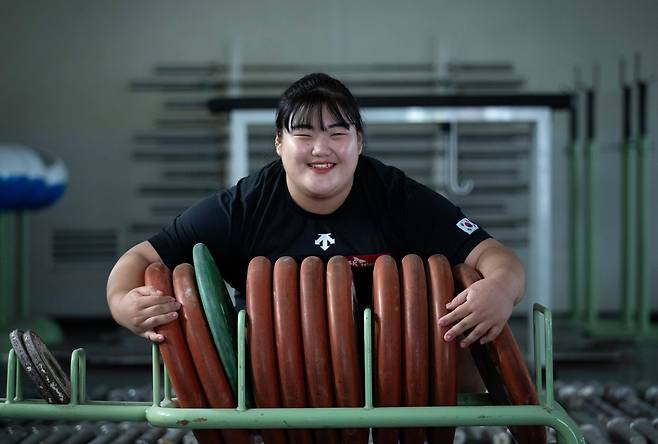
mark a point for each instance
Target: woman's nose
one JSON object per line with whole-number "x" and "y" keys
{"x": 320, "y": 146}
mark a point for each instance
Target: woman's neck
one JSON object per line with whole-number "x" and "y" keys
{"x": 315, "y": 205}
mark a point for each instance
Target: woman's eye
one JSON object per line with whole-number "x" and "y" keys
{"x": 302, "y": 135}
{"x": 337, "y": 134}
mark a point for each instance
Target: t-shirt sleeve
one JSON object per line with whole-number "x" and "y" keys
{"x": 434, "y": 225}
{"x": 208, "y": 221}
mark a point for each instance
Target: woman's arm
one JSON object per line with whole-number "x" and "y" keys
{"x": 486, "y": 305}
{"x": 133, "y": 305}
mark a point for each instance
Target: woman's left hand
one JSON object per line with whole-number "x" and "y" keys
{"x": 483, "y": 308}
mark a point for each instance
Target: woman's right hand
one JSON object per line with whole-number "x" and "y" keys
{"x": 143, "y": 309}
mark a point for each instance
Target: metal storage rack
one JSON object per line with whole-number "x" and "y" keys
{"x": 472, "y": 409}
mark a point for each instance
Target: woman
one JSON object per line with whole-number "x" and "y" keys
{"x": 323, "y": 197}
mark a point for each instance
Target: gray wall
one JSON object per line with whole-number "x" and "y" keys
{"x": 65, "y": 67}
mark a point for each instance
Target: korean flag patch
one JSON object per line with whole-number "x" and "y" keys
{"x": 467, "y": 226}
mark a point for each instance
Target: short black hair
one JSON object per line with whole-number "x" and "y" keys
{"x": 308, "y": 95}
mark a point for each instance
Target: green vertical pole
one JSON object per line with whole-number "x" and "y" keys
{"x": 591, "y": 214}
{"x": 7, "y": 267}
{"x": 576, "y": 225}
{"x": 367, "y": 353}
{"x": 23, "y": 300}
{"x": 643, "y": 215}
{"x": 629, "y": 210}
{"x": 644, "y": 233}
{"x": 591, "y": 227}
{"x": 155, "y": 373}
{"x": 242, "y": 339}
{"x": 4, "y": 269}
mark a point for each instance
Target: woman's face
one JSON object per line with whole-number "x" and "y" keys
{"x": 319, "y": 163}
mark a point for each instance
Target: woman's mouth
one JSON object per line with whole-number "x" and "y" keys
{"x": 325, "y": 166}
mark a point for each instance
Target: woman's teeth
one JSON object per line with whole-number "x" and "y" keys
{"x": 323, "y": 166}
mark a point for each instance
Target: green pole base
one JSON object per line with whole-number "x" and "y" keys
{"x": 618, "y": 329}
{"x": 49, "y": 331}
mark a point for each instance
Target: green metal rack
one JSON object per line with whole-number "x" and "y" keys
{"x": 634, "y": 319}
{"x": 577, "y": 231}
{"x": 14, "y": 280}
{"x": 472, "y": 409}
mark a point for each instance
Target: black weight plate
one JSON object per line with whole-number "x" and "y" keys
{"x": 48, "y": 367}
{"x": 16, "y": 340}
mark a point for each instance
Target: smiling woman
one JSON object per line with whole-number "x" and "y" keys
{"x": 319, "y": 158}
{"x": 323, "y": 198}
{"x": 319, "y": 136}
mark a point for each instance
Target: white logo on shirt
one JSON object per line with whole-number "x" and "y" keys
{"x": 467, "y": 226}
{"x": 324, "y": 240}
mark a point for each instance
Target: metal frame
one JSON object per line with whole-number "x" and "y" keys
{"x": 15, "y": 280}
{"x": 540, "y": 245}
{"x": 472, "y": 409}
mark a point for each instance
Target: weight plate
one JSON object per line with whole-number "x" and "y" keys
{"x": 317, "y": 358}
{"x": 415, "y": 343}
{"x": 341, "y": 319}
{"x": 219, "y": 311}
{"x": 387, "y": 342}
{"x": 176, "y": 356}
{"x": 260, "y": 339}
{"x": 16, "y": 340}
{"x": 288, "y": 338}
{"x": 443, "y": 355}
{"x": 502, "y": 366}
{"x": 204, "y": 355}
{"x": 53, "y": 376}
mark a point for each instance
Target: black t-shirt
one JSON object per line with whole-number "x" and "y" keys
{"x": 385, "y": 212}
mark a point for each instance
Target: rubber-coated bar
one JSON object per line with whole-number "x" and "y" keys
{"x": 367, "y": 358}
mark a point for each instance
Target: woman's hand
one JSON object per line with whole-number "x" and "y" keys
{"x": 143, "y": 309}
{"x": 138, "y": 307}
{"x": 483, "y": 308}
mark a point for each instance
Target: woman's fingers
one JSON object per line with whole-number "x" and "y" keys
{"x": 491, "y": 334}
{"x": 469, "y": 321}
{"x": 153, "y": 322}
{"x": 153, "y": 336}
{"x": 159, "y": 307}
{"x": 474, "y": 335}
{"x": 457, "y": 300}
{"x": 151, "y": 310}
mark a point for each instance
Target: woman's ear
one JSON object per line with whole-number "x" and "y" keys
{"x": 359, "y": 140}
{"x": 277, "y": 144}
